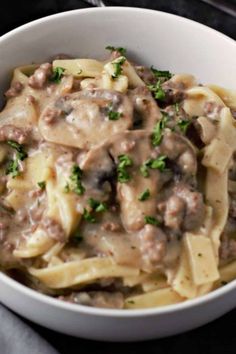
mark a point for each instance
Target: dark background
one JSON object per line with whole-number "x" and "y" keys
{"x": 219, "y": 337}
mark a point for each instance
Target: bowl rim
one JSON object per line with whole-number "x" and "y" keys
{"x": 101, "y": 312}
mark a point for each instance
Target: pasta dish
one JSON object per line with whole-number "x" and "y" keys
{"x": 118, "y": 182}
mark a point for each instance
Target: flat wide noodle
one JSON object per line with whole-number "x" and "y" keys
{"x": 157, "y": 298}
{"x": 81, "y": 272}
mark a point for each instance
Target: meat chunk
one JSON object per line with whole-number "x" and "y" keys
{"x": 145, "y": 74}
{"x": 152, "y": 246}
{"x": 53, "y": 229}
{"x": 51, "y": 114}
{"x": 177, "y": 148}
{"x": 212, "y": 110}
{"x": 14, "y": 90}
{"x": 10, "y": 132}
{"x": 145, "y": 107}
{"x": 194, "y": 212}
{"x": 227, "y": 250}
{"x": 174, "y": 92}
{"x": 232, "y": 208}
{"x": 174, "y": 213}
{"x": 40, "y": 76}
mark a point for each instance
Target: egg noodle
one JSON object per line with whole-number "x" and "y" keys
{"x": 118, "y": 183}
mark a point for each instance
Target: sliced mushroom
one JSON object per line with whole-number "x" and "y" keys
{"x": 84, "y": 119}
{"x": 146, "y": 111}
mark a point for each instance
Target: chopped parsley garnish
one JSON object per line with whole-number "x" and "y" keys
{"x": 113, "y": 115}
{"x": 57, "y": 74}
{"x": 13, "y": 166}
{"x": 97, "y": 206}
{"x": 145, "y": 195}
{"x": 151, "y": 220}
{"x": 75, "y": 183}
{"x": 144, "y": 170}
{"x": 157, "y": 164}
{"x": 158, "y": 130}
{"x": 131, "y": 302}
{"x": 157, "y": 90}
{"x": 117, "y": 64}
{"x": 177, "y": 108}
{"x": 42, "y": 185}
{"x": 124, "y": 162}
{"x": 161, "y": 73}
{"x": 88, "y": 216}
{"x": 183, "y": 125}
{"x": 121, "y": 50}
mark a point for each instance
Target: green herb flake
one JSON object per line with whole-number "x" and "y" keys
{"x": 121, "y": 50}
{"x": 97, "y": 206}
{"x": 183, "y": 125}
{"x": 57, "y": 74}
{"x": 144, "y": 170}
{"x": 124, "y": 162}
{"x": 177, "y": 108}
{"x": 13, "y": 166}
{"x": 131, "y": 302}
{"x": 42, "y": 185}
{"x": 161, "y": 73}
{"x": 158, "y": 130}
{"x": 158, "y": 163}
{"x": 88, "y": 216}
{"x": 113, "y": 115}
{"x": 144, "y": 196}
{"x": 157, "y": 91}
{"x": 117, "y": 64}
{"x": 151, "y": 220}
{"x": 75, "y": 183}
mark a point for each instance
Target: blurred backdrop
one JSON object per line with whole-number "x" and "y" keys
{"x": 15, "y": 13}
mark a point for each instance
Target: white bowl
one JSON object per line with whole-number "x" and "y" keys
{"x": 168, "y": 42}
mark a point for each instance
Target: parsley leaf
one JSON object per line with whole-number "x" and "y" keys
{"x": 96, "y": 205}
{"x": 151, "y": 220}
{"x": 155, "y": 164}
{"x": 57, "y": 74}
{"x": 117, "y": 64}
{"x": 121, "y": 50}
{"x": 75, "y": 183}
{"x": 124, "y": 162}
{"x": 161, "y": 73}
{"x": 158, "y": 130}
{"x": 145, "y": 195}
{"x": 21, "y": 154}
{"x": 177, "y": 108}
{"x": 42, "y": 185}
{"x": 88, "y": 216}
{"x": 158, "y": 163}
{"x": 157, "y": 90}
{"x": 183, "y": 125}
{"x": 13, "y": 166}
{"x": 144, "y": 170}
{"x": 113, "y": 115}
